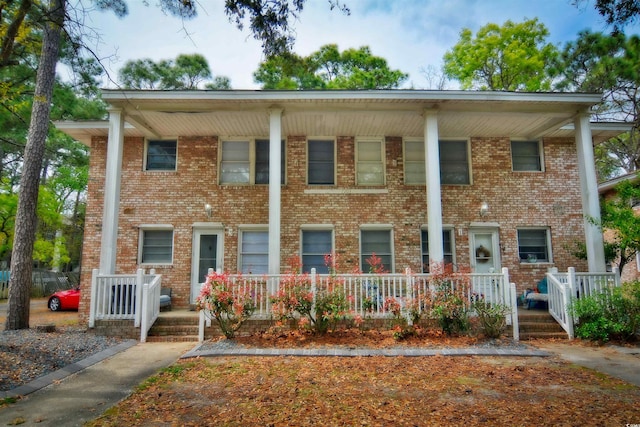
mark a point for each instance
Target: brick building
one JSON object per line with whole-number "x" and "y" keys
{"x": 244, "y": 180}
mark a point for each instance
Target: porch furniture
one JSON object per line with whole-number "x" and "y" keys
{"x": 165, "y": 299}
{"x": 538, "y": 295}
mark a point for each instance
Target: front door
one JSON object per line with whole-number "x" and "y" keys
{"x": 207, "y": 253}
{"x": 485, "y": 251}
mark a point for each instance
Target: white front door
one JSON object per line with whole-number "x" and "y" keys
{"x": 206, "y": 254}
{"x": 485, "y": 250}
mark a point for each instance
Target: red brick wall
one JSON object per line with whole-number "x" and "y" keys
{"x": 547, "y": 199}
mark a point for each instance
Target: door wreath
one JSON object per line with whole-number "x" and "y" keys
{"x": 483, "y": 254}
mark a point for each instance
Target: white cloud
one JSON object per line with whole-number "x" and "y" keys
{"x": 409, "y": 34}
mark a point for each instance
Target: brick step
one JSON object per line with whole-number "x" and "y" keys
{"x": 536, "y": 318}
{"x": 543, "y": 335}
{"x": 169, "y": 338}
{"x": 540, "y": 327}
{"x": 178, "y": 320}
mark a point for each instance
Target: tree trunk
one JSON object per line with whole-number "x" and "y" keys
{"x": 26, "y": 219}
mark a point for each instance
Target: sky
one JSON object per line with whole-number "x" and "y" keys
{"x": 410, "y": 34}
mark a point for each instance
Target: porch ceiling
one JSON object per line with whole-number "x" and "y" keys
{"x": 362, "y": 113}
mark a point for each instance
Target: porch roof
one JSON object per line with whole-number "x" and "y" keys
{"x": 167, "y": 114}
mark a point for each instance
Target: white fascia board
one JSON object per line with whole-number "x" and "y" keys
{"x": 407, "y": 95}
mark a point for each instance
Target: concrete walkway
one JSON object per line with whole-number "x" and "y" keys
{"x": 83, "y": 391}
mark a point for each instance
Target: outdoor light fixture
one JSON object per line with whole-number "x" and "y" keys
{"x": 207, "y": 210}
{"x": 484, "y": 209}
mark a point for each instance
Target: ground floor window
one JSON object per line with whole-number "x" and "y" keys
{"x": 315, "y": 245}
{"x": 157, "y": 246}
{"x": 254, "y": 251}
{"x": 534, "y": 245}
{"x": 376, "y": 242}
{"x": 447, "y": 243}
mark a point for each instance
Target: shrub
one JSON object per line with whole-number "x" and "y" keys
{"x": 450, "y": 303}
{"x": 225, "y": 302}
{"x": 491, "y": 317}
{"x": 611, "y": 314}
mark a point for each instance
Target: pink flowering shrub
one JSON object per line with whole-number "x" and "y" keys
{"x": 226, "y": 303}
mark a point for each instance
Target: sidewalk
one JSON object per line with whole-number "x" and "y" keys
{"x": 96, "y": 384}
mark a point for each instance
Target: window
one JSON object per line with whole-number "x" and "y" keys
{"x": 414, "y": 171}
{"x": 454, "y": 162}
{"x": 247, "y": 162}
{"x": 447, "y": 243}
{"x": 161, "y": 155}
{"x": 157, "y": 247}
{"x": 534, "y": 245}
{"x": 370, "y": 163}
{"x": 376, "y": 242}
{"x": 321, "y": 162}
{"x": 315, "y": 245}
{"x": 254, "y": 252}
{"x": 525, "y": 156}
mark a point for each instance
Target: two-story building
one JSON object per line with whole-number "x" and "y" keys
{"x": 183, "y": 181}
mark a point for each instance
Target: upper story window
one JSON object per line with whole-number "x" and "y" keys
{"x": 378, "y": 242}
{"x": 247, "y": 162}
{"x": 414, "y": 170}
{"x": 161, "y": 155}
{"x": 321, "y": 162}
{"x": 156, "y": 245}
{"x": 526, "y": 156}
{"x": 447, "y": 244}
{"x": 254, "y": 251}
{"x": 315, "y": 245}
{"x": 370, "y": 162}
{"x": 454, "y": 162}
{"x": 534, "y": 245}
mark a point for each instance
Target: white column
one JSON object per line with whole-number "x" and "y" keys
{"x": 108, "y": 248}
{"x": 275, "y": 147}
{"x": 590, "y": 199}
{"x": 434, "y": 201}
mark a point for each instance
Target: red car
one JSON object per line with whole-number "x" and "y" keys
{"x": 64, "y": 300}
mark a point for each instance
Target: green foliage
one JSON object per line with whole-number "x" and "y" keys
{"x": 513, "y": 57}
{"x": 611, "y": 314}
{"x": 597, "y": 62}
{"x": 450, "y": 301}
{"x": 619, "y": 218}
{"x": 187, "y": 72}
{"x": 329, "y": 68}
{"x": 226, "y": 302}
{"x": 491, "y": 317}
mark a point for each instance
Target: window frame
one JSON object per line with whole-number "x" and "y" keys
{"x": 408, "y": 162}
{"x": 549, "y": 256}
{"x": 425, "y": 244}
{"x": 241, "y": 254}
{"x": 540, "y": 156}
{"x": 253, "y": 142}
{"x": 362, "y": 258}
{"x": 358, "y": 163}
{"x": 315, "y": 228}
{"x": 145, "y": 165}
{"x": 142, "y": 237}
{"x": 335, "y": 162}
{"x": 467, "y": 145}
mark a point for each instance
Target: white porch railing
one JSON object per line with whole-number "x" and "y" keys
{"x": 493, "y": 288}
{"x": 563, "y": 287}
{"x": 125, "y": 297}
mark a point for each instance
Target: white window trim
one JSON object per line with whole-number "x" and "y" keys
{"x": 248, "y": 227}
{"x": 378, "y": 227}
{"x": 317, "y": 227}
{"x": 469, "y": 165}
{"x": 447, "y": 227}
{"x": 252, "y": 159}
{"x": 146, "y": 154}
{"x": 404, "y": 160}
{"x": 155, "y": 227}
{"x": 335, "y": 159}
{"x": 540, "y": 153}
{"x": 549, "y": 248}
{"x": 383, "y": 162}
